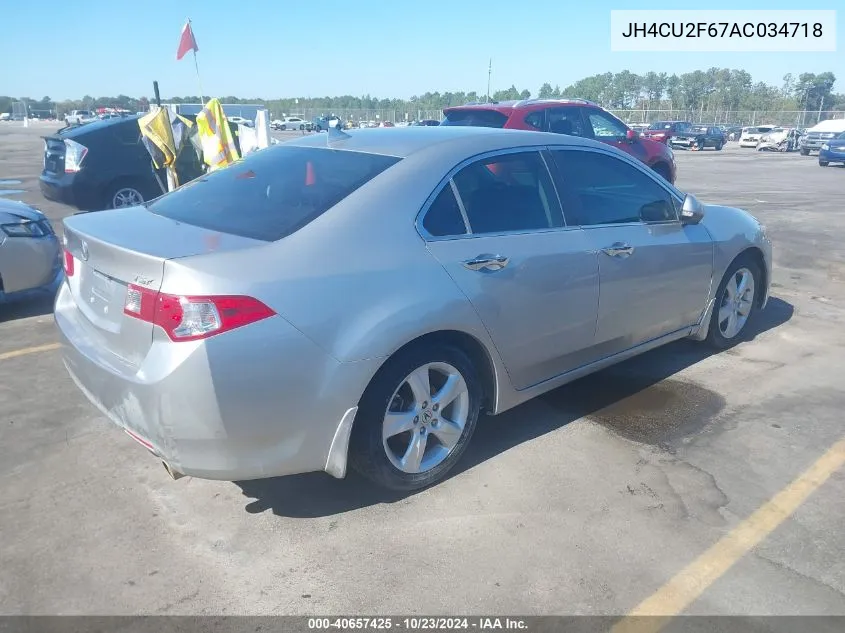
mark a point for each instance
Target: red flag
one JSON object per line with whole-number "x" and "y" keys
{"x": 187, "y": 42}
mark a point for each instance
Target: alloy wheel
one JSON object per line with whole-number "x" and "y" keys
{"x": 737, "y": 303}
{"x": 425, "y": 418}
{"x": 127, "y": 197}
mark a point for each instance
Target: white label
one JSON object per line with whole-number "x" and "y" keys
{"x": 723, "y": 31}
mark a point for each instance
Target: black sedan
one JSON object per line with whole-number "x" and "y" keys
{"x": 698, "y": 137}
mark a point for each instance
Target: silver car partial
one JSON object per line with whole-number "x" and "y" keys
{"x": 360, "y": 299}
{"x": 29, "y": 250}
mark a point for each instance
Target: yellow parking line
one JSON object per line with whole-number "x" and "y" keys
{"x": 682, "y": 590}
{"x": 29, "y": 350}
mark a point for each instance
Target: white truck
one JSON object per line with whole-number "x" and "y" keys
{"x": 78, "y": 117}
{"x": 819, "y": 134}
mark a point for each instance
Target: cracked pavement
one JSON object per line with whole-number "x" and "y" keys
{"x": 583, "y": 501}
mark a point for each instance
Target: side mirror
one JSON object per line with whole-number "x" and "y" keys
{"x": 693, "y": 211}
{"x": 630, "y": 136}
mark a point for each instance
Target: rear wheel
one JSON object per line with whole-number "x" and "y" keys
{"x": 719, "y": 147}
{"x": 416, "y": 418}
{"x": 123, "y": 195}
{"x": 736, "y": 302}
{"x": 805, "y": 152}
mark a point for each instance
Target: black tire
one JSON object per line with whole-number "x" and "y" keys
{"x": 318, "y": 128}
{"x": 715, "y": 337}
{"x": 301, "y": 127}
{"x": 805, "y": 152}
{"x": 367, "y": 454}
{"x": 283, "y": 128}
{"x": 823, "y": 163}
{"x": 719, "y": 147}
{"x": 110, "y": 198}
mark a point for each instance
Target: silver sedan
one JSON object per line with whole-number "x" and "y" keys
{"x": 29, "y": 251}
{"x": 361, "y": 298}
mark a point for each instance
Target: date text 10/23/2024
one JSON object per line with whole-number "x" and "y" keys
{"x": 723, "y": 31}
{"x": 417, "y": 623}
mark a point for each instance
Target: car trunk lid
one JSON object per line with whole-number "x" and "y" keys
{"x": 112, "y": 250}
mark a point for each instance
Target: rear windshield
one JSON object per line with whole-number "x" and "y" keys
{"x": 272, "y": 193}
{"x": 475, "y": 118}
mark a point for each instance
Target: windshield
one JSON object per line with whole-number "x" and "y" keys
{"x": 660, "y": 125}
{"x": 272, "y": 193}
{"x": 478, "y": 118}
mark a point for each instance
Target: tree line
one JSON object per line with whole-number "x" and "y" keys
{"x": 712, "y": 90}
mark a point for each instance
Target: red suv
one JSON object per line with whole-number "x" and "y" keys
{"x": 576, "y": 117}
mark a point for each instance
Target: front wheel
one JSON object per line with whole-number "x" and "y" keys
{"x": 823, "y": 163}
{"x": 805, "y": 152}
{"x": 736, "y": 302}
{"x": 416, "y": 418}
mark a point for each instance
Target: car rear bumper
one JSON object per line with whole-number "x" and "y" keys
{"x": 57, "y": 188}
{"x": 260, "y": 401}
{"x": 748, "y": 142}
{"x": 72, "y": 189}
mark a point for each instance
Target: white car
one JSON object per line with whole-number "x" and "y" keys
{"x": 292, "y": 123}
{"x": 239, "y": 120}
{"x": 752, "y": 135}
{"x": 5, "y": 116}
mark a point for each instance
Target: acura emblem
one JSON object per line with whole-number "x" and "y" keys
{"x": 84, "y": 252}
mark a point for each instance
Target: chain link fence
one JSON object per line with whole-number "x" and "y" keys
{"x": 791, "y": 118}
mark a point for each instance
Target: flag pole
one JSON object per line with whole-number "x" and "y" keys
{"x": 196, "y": 65}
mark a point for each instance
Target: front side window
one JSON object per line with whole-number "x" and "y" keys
{"x": 597, "y": 188}
{"x": 272, "y": 193}
{"x": 605, "y": 127}
{"x": 510, "y": 192}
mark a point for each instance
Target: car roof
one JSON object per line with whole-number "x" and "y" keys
{"x": 405, "y": 141}
{"x": 522, "y": 104}
{"x": 95, "y": 126}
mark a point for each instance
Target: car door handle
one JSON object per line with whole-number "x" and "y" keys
{"x": 619, "y": 249}
{"x": 487, "y": 262}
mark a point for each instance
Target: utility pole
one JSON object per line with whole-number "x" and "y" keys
{"x": 489, "y": 76}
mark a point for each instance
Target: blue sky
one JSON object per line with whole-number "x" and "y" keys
{"x": 277, "y": 49}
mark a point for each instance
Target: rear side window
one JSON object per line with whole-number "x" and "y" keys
{"x": 272, "y": 193}
{"x": 475, "y": 118}
{"x": 443, "y": 217}
{"x": 511, "y": 192}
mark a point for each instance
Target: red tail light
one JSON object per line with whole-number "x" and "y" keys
{"x": 68, "y": 263}
{"x": 192, "y": 318}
